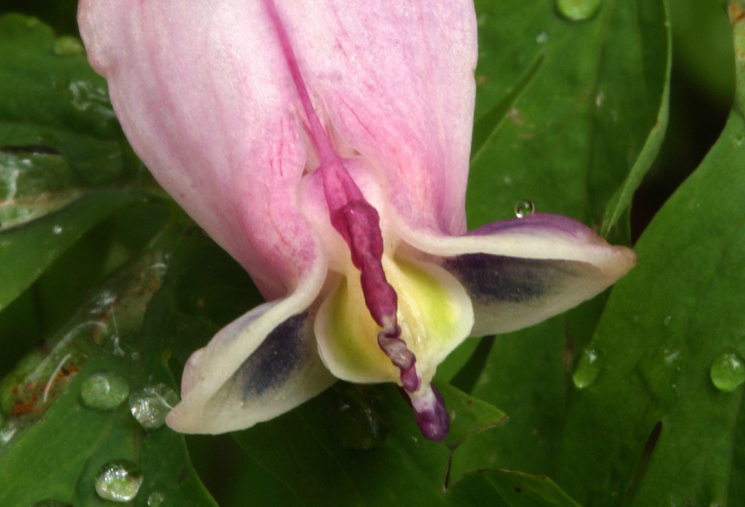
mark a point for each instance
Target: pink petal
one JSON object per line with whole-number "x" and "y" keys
{"x": 204, "y": 96}
{"x": 396, "y": 81}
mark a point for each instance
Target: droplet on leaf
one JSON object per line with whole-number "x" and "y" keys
{"x": 524, "y": 208}
{"x": 588, "y": 367}
{"x": 104, "y": 390}
{"x": 727, "y": 371}
{"x": 156, "y": 499}
{"x": 151, "y": 404}
{"x": 119, "y": 481}
{"x": 578, "y": 10}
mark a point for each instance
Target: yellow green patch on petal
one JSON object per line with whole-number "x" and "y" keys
{"x": 434, "y": 313}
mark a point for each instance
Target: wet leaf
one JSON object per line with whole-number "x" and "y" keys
{"x": 25, "y": 252}
{"x": 654, "y": 428}
{"x": 61, "y": 152}
{"x": 51, "y": 446}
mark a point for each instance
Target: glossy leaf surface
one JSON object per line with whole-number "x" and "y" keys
{"x": 53, "y": 443}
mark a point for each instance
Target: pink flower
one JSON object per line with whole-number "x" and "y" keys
{"x": 325, "y": 145}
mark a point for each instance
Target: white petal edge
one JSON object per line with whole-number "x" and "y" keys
{"x": 209, "y": 369}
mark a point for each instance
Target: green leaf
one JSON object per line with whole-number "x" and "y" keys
{"x": 653, "y": 428}
{"x": 25, "y": 252}
{"x": 53, "y": 99}
{"x": 568, "y": 114}
{"x": 514, "y": 488}
{"x": 53, "y": 444}
{"x": 403, "y": 468}
{"x": 61, "y": 148}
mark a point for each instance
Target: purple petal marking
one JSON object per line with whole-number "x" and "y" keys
{"x": 274, "y": 361}
{"x": 358, "y": 223}
{"x": 496, "y": 278}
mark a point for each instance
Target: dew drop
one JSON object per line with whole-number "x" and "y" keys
{"x": 727, "y": 371}
{"x": 119, "y": 481}
{"x": 51, "y": 503}
{"x": 524, "y": 208}
{"x": 542, "y": 38}
{"x": 57, "y": 229}
{"x": 104, "y": 390}
{"x": 151, "y": 404}
{"x": 578, "y": 10}
{"x": 588, "y": 367}
{"x": 156, "y": 499}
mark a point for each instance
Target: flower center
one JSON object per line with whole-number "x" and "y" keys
{"x": 358, "y": 222}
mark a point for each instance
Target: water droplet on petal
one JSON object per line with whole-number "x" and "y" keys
{"x": 524, "y": 208}
{"x": 151, "y": 404}
{"x": 156, "y": 499}
{"x": 119, "y": 481}
{"x": 104, "y": 390}
{"x": 588, "y": 367}
{"x": 727, "y": 371}
{"x": 578, "y": 10}
{"x": 51, "y": 503}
